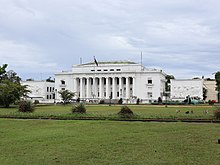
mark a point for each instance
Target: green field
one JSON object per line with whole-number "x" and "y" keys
{"x": 140, "y": 111}
{"x": 107, "y": 142}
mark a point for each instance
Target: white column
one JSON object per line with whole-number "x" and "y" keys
{"x": 114, "y": 88}
{"x": 74, "y": 85}
{"x": 107, "y": 88}
{"x": 88, "y": 87}
{"x": 94, "y": 88}
{"x": 81, "y": 87}
{"x": 127, "y": 88}
{"x": 134, "y": 86}
{"x": 120, "y": 87}
{"x": 100, "y": 88}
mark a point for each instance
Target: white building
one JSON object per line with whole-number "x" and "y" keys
{"x": 210, "y": 86}
{"x": 115, "y": 80}
{"x": 182, "y": 88}
{"x": 42, "y": 91}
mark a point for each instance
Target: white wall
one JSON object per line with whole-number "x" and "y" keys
{"x": 186, "y": 87}
{"x": 40, "y": 90}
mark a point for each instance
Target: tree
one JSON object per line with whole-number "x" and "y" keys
{"x": 168, "y": 78}
{"x": 10, "y": 88}
{"x": 204, "y": 93}
{"x": 66, "y": 95}
{"x": 217, "y": 79}
{"x": 50, "y": 80}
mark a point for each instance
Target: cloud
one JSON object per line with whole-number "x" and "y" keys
{"x": 50, "y": 35}
{"x": 24, "y": 57}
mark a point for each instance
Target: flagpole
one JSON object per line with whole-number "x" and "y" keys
{"x": 141, "y": 62}
{"x": 94, "y": 83}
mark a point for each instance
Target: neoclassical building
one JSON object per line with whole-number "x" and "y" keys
{"x": 115, "y": 80}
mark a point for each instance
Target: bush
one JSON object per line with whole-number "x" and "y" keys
{"x": 36, "y": 101}
{"x": 217, "y": 113}
{"x": 25, "y": 106}
{"x": 125, "y": 112}
{"x": 80, "y": 108}
{"x": 102, "y": 102}
{"x": 120, "y": 101}
{"x": 138, "y": 101}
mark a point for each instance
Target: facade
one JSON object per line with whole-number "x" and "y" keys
{"x": 182, "y": 88}
{"x": 42, "y": 91}
{"x": 210, "y": 86}
{"x": 112, "y": 80}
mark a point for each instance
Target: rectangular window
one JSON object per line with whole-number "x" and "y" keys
{"x": 99, "y": 70}
{"x": 111, "y": 69}
{"x": 118, "y": 69}
{"x": 105, "y": 70}
{"x": 47, "y": 89}
{"x": 92, "y": 70}
{"x": 149, "y": 81}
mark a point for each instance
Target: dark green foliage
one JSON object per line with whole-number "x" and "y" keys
{"x": 78, "y": 100}
{"x": 10, "y": 92}
{"x": 50, "y": 80}
{"x": 10, "y": 88}
{"x": 120, "y": 101}
{"x": 102, "y": 102}
{"x": 80, "y": 108}
{"x": 30, "y": 79}
{"x": 138, "y": 101}
{"x": 26, "y": 106}
{"x": 217, "y": 113}
{"x": 125, "y": 112}
{"x": 159, "y": 100}
{"x": 217, "y": 79}
{"x": 36, "y": 102}
{"x": 204, "y": 93}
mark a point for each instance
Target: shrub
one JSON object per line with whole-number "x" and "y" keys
{"x": 138, "y": 101}
{"x": 217, "y": 113}
{"x": 26, "y": 106}
{"x": 120, "y": 101}
{"x": 36, "y": 102}
{"x": 80, "y": 108}
{"x": 125, "y": 112}
{"x": 102, "y": 102}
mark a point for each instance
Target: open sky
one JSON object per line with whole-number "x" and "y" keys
{"x": 41, "y": 37}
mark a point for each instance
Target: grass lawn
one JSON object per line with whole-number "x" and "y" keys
{"x": 107, "y": 142}
{"x": 141, "y": 111}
